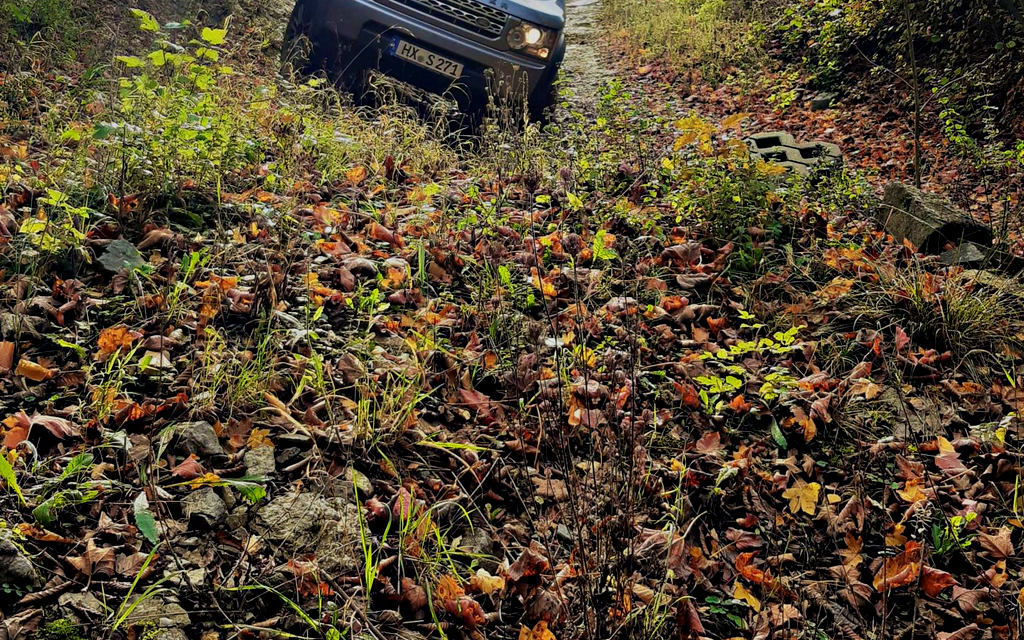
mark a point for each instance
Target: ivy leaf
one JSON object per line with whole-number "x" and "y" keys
{"x": 146, "y": 21}
{"x": 214, "y": 36}
{"x": 144, "y": 518}
{"x": 132, "y": 62}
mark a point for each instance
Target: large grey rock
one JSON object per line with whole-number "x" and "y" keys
{"x": 200, "y": 438}
{"x": 205, "y": 509}
{"x": 927, "y": 220}
{"x": 15, "y": 569}
{"x": 304, "y": 523}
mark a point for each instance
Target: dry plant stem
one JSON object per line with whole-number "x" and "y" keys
{"x": 917, "y": 93}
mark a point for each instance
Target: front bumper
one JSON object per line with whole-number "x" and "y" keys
{"x": 366, "y": 29}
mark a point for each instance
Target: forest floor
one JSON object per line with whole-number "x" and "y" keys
{"x": 274, "y": 366}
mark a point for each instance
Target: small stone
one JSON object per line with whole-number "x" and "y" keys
{"x": 80, "y": 606}
{"x": 173, "y": 633}
{"x": 201, "y": 439}
{"x": 15, "y": 569}
{"x": 166, "y": 615}
{"x": 967, "y": 254}
{"x": 823, "y": 101}
{"x": 563, "y": 533}
{"x": 205, "y": 509}
{"x": 260, "y": 462}
{"x": 237, "y": 519}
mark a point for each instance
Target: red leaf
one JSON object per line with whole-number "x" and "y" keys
{"x": 934, "y": 581}
{"x": 189, "y": 469}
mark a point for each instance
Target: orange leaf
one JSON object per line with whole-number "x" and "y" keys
{"x": 912, "y": 492}
{"x": 33, "y": 371}
{"x": 114, "y": 339}
{"x": 539, "y": 632}
{"x": 355, "y": 175}
{"x": 901, "y": 569}
{"x": 448, "y": 589}
{"x": 934, "y": 581}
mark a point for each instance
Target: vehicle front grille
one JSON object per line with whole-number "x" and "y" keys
{"x": 468, "y": 14}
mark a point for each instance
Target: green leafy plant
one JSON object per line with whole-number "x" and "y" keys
{"x": 950, "y": 536}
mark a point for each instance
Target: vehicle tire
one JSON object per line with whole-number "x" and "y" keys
{"x": 305, "y": 51}
{"x": 543, "y": 104}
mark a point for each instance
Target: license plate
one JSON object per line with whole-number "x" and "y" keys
{"x": 427, "y": 59}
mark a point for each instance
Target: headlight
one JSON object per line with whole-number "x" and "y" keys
{"x": 531, "y": 39}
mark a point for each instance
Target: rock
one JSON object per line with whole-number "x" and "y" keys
{"x": 238, "y": 518}
{"x": 927, "y": 220}
{"x": 194, "y": 578}
{"x": 169, "y": 634}
{"x": 205, "y": 509}
{"x": 15, "y": 569}
{"x": 165, "y": 615}
{"x": 481, "y": 546}
{"x": 304, "y": 523}
{"x": 81, "y": 607}
{"x": 823, "y": 101}
{"x": 121, "y": 254}
{"x": 201, "y": 439}
{"x": 967, "y": 254}
{"x": 260, "y": 462}
{"x": 351, "y": 477}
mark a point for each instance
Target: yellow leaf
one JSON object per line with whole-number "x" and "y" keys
{"x": 803, "y": 498}
{"x": 485, "y": 583}
{"x": 209, "y": 478}
{"x": 734, "y": 120}
{"x": 945, "y": 446}
{"x": 896, "y": 537}
{"x": 912, "y": 492}
{"x": 258, "y": 438}
{"x": 355, "y": 175}
{"x": 740, "y": 593}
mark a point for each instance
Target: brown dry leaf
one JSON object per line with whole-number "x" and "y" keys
{"x": 895, "y": 537}
{"x": 996, "y": 574}
{"x": 803, "y": 497}
{"x": 998, "y": 545}
{"x": 6, "y": 356}
{"x": 851, "y": 554}
{"x": 189, "y": 469}
{"x": 901, "y": 569}
{"x": 94, "y": 561}
{"x": 551, "y": 488}
{"x": 33, "y": 371}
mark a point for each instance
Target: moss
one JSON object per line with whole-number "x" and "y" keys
{"x": 60, "y": 629}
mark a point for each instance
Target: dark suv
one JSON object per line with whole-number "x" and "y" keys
{"x": 464, "y": 50}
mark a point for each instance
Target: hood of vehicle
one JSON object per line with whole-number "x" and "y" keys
{"x": 546, "y": 13}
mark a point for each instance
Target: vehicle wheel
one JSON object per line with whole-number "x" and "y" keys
{"x": 305, "y": 51}
{"x": 542, "y": 107}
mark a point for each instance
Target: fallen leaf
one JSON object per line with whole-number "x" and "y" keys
{"x": 803, "y": 498}
{"x": 33, "y": 371}
{"x": 934, "y": 581}
{"x": 901, "y": 569}
{"x": 741, "y": 593}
